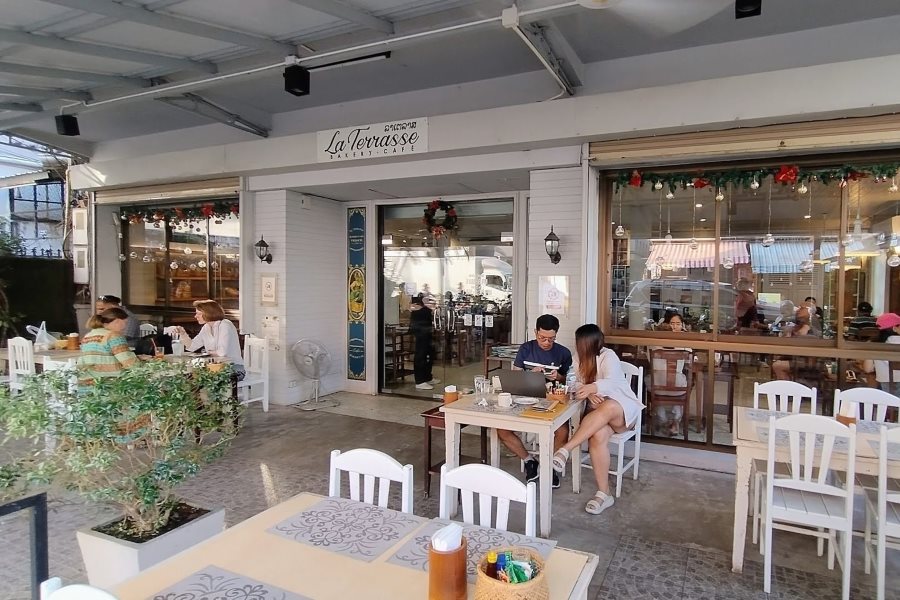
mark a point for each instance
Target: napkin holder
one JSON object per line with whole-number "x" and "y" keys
{"x": 447, "y": 573}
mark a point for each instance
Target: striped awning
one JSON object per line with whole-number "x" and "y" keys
{"x": 784, "y": 256}
{"x": 864, "y": 245}
{"x": 680, "y": 255}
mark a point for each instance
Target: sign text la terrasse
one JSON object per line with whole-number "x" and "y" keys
{"x": 378, "y": 140}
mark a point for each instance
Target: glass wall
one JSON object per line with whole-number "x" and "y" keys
{"x": 465, "y": 280}
{"x": 174, "y": 255}
{"x": 766, "y": 272}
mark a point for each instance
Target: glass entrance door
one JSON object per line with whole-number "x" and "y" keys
{"x": 445, "y": 299}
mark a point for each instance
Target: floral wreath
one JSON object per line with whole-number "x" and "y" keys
{"x": 450, "y": 222}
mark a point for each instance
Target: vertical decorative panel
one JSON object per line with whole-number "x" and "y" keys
{"x": 356, "y": 294}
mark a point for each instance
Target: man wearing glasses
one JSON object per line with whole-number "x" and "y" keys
{"x": 542, "y": 350}
{"x": 132, "y": 331}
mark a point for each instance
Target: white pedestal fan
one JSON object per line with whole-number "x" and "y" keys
{"x": 313, "y": 361}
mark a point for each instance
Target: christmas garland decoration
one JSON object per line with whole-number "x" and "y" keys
{"x": 177, "y": 215}
{"x": 449, "y": 223}
{"x": 751, "y": 179}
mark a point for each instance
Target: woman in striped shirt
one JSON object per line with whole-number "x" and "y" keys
{"x": 104, "y": 351}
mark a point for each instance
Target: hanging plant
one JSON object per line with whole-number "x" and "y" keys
{"x": 450, "y": 221}
{"x": 179, "y": 215}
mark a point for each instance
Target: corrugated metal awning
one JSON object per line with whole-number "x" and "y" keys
{"x": 680, "y": 255}
{"x": 784, "y": 256}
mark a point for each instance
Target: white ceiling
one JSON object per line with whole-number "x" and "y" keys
{"x": 144, "y": 42}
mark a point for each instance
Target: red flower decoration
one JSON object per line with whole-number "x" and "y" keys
{"x": 635, "y": 179}
{"x": 701, "y": 182}
{"x": 787, "y": 175}
{"x": 207, "y": 210}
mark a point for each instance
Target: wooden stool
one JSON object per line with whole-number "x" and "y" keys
{"x": 434, "y": 419}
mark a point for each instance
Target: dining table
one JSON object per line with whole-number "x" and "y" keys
{"x": 751, "y": 442}
{"x": 468, "y": 410}
{"x": 312, "y": 547}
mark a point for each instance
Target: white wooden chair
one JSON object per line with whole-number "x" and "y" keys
{"x": 782, "y": 396}
{"x": 866, "y": 404}
{"x": 256, "y": 363}
{"x": 371, "y": 465}
{"x": 21, "y": 362}
{"x": 148, "y": 329}
{"x": 53, "y": 589}
{"x": 631, "y": 373}
{"x": 809, "y": 500}
{"x": 488, "y": 483}
{"x": 883, "y": 511}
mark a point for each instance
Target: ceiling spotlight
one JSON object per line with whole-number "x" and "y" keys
{"x": 296, "y": 80}
{"x": 747, "y": 8}
{"x": 67, "y": 125}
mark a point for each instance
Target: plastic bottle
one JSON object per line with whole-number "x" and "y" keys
{"x": 501, "y": 565}
{"x": 491, "y": 568}
{"x": 570, "y": 383}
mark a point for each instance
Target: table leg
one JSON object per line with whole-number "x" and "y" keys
{"x": 730, "y": 403}
{"x": 451, "y": 456}
{"x": 545, "y": 480}
{"x": 495, "y": 449}
{"x": 427, "y": 457}
{"x": 741, "y": 505}
{"x": 699, "y": 403}
{"x": 484, "y": 445}
{"x": 576, "y": 456}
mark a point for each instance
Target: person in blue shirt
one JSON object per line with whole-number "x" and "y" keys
{"x": 542, "y": 350}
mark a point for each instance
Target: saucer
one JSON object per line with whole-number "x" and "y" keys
{"x": 525, "y": 401}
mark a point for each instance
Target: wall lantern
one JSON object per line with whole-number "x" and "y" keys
{"x": 551, "y": 244}
{"x": 262, "y": 251}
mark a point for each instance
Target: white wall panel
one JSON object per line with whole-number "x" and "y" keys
{"x": 556, "y": 199}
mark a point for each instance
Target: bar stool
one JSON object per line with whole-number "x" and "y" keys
{"x": 434, "y": 419}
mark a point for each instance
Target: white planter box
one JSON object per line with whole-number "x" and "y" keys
{"x": 110, "y": 561}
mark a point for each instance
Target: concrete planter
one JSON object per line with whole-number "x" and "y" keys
{"x": 109, "y": 561}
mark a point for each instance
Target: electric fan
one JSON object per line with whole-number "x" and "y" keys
{"x": 313, "y": 361}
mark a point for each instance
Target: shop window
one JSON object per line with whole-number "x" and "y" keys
{"x": 178, "y": 254}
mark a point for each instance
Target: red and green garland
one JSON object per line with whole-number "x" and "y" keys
{"x": 450, "y": 222}
{"x": 176, "y": 215}
{"x": 784, "y": 174}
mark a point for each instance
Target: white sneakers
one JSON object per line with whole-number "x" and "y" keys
{"x": 434, "y": 381}
{"x": 424, "y": 386}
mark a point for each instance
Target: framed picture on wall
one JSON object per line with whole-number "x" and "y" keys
{"x": 268, "y": 290}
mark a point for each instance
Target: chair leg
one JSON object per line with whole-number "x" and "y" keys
{"x": 880, "y": 557}
{"x": 637, "y": 447}
{"x": 619, "y": 470}
{"x": 868, "y": 541}
{"x": 767, "y": 560}
{"x": 831, "y": 540}
{"x": 847, "y": 546}
{"x": 820, "y": 543}
{"x": 756, "y": 501}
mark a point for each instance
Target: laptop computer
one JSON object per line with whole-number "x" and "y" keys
{"x": 523, "y": 383}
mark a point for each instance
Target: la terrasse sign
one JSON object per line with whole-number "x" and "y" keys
{"x": 379, "y": 140}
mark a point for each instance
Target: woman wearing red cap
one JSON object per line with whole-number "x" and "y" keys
{"x": 889, "y": 324}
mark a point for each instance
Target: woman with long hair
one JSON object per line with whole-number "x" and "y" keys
{"x": 612, "y": 407}
{"x": 104, "y": 350}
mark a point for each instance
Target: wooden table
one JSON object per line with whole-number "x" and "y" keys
{"x": 750, "y": 446}
{"x": 463, "y": 412}
{"x": 248, "y": 549}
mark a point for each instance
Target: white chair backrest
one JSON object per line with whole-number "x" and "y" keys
{"x": 21, "y": 360}
{"x": 148, "y": 329}
{"x": 371, "y": 465}
{"x": 867, "y": 404}
{"x": 256, "y": 355}
{"x": 811, "y": 442}
{"x": 784, "y": 396}
{"x": 631, "y": 372}
{"x": 62, "y": 365}
{"x": 52, "y": 590}
{"x": 489, "y": 483}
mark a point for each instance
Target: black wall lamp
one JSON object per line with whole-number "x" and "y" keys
{"x": 262, "y": 251}
{"x": 551, "y": 244}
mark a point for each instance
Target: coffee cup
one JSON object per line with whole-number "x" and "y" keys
{"x": 73, "y": 342}
{"x": 504, "y": 400}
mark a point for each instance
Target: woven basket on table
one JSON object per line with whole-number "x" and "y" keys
{"x": 561, "y": 398}
{"x": 487, "y": 588}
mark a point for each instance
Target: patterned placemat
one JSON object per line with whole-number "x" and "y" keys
{"x": 213, "y": 583}
{"x": 759, "y": 414}
{"x": 347, "y": 527}
{"x": 872, "y": 427}
{"x": 491, "y": 407}
{"x": 414, "y": 553}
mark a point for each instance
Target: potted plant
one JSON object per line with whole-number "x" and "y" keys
{"x": 128, "y": 440}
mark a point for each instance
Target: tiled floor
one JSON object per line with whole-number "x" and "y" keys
{"x": 668, "y": 536}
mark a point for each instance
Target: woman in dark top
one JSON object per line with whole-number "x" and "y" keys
{"x": 421, "y": 325}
